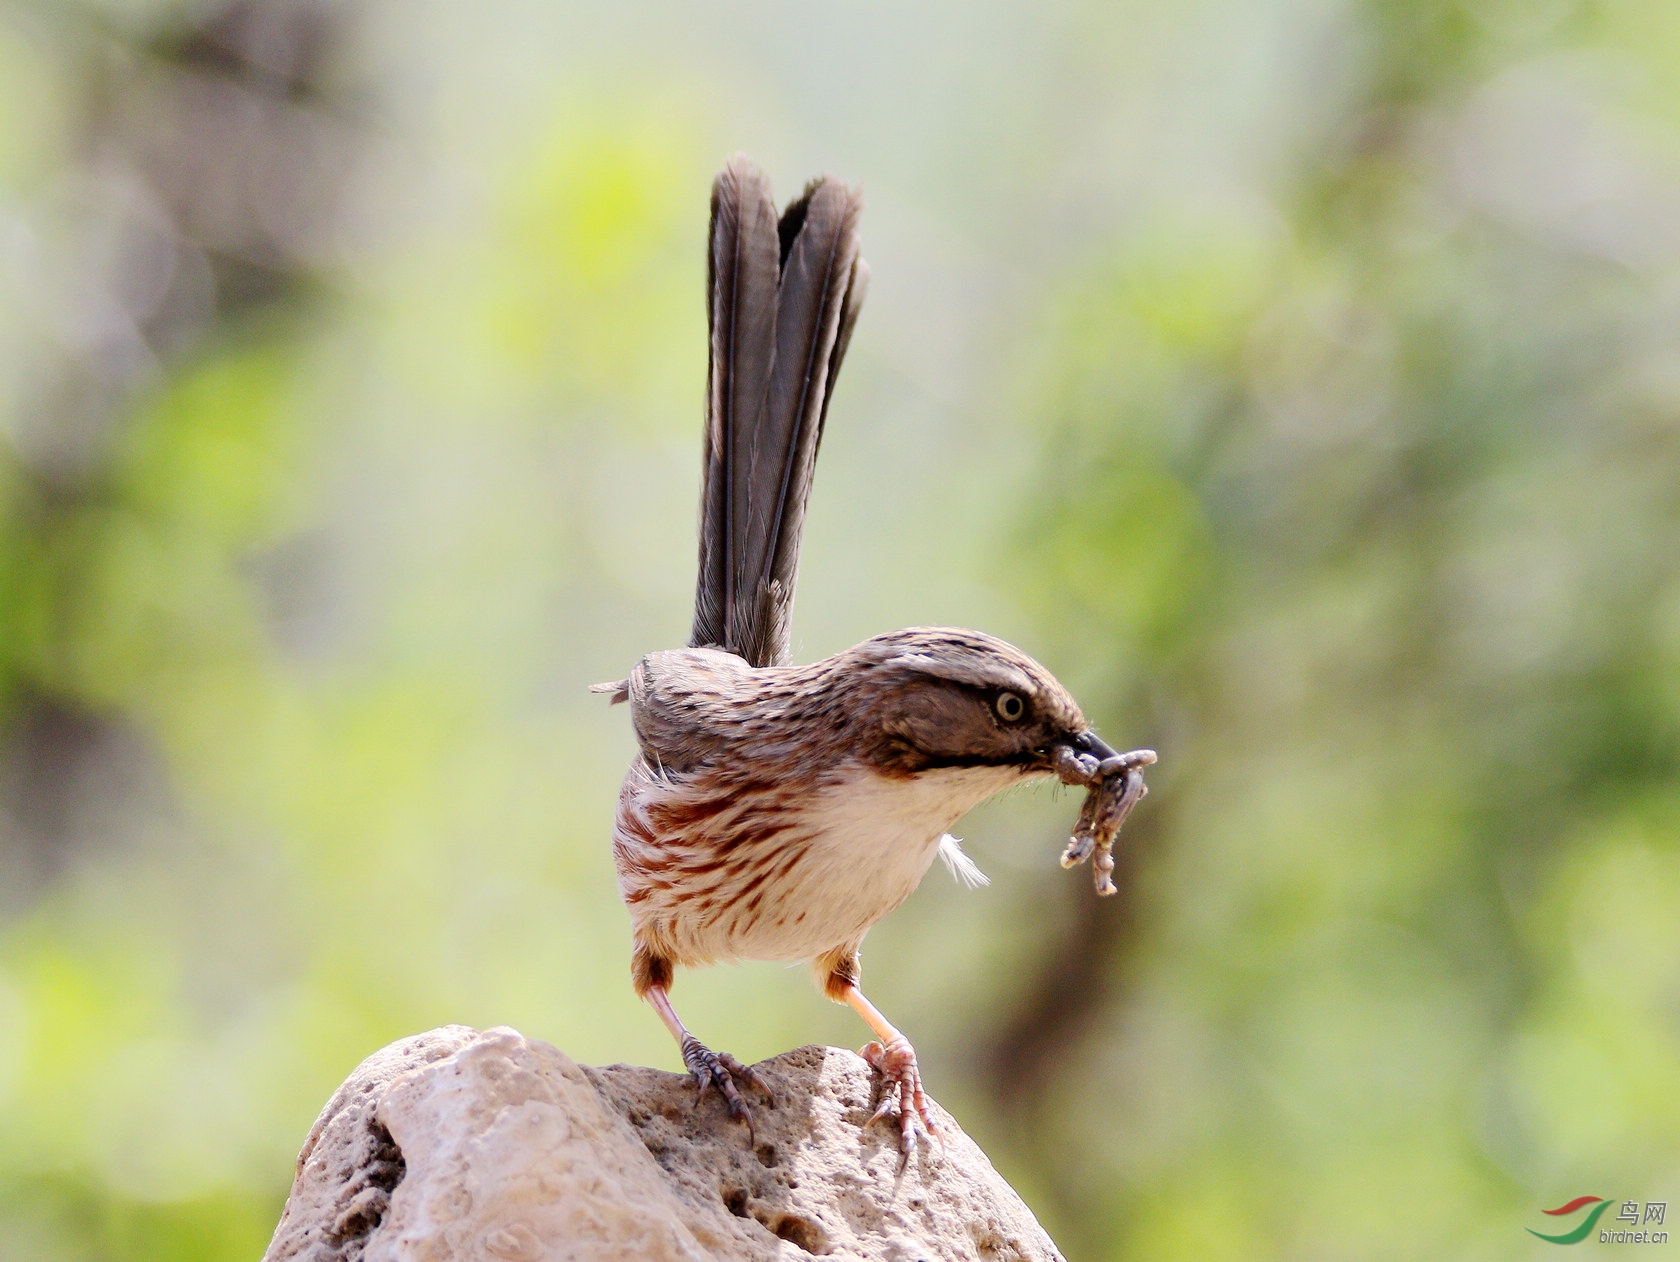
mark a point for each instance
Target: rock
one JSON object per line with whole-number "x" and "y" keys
{"x": 457, "y": 1145}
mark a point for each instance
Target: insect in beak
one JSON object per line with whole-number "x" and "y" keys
{"x": 1084, "y": 759}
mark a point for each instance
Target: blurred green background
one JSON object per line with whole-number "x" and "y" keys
{"x": 1298, "y": 379}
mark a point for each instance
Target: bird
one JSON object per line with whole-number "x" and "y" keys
{"x": 777, "y": 811}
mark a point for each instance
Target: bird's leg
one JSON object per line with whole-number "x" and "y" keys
{"x": 895, "y": 1060}
{"x": 710, "y": 1069}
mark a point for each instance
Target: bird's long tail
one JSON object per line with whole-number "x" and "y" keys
{"x": 784, "y": 294}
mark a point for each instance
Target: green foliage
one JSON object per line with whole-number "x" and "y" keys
{"x": 52, "y": 1218}
{"x": 1408, "y": 729}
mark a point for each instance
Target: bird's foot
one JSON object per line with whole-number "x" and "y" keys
{"x": 902, "y": 1095}
{"x": 723, "y": 1071}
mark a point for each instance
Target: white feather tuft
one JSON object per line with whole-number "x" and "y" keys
{"x": 962, "y": 867}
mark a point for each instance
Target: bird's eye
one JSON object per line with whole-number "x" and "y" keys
{"x": 1009, "y": 707}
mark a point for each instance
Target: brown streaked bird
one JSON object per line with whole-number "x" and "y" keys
{"x": 776, "y": 812}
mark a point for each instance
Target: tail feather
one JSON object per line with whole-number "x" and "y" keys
{"x": 742, "y": 275}
{"x": 785, "y": 295}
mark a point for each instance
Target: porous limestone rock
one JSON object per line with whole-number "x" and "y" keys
{"x": 461, "y": 1145}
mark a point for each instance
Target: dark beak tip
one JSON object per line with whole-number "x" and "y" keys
{"x": 1088, "y": 742}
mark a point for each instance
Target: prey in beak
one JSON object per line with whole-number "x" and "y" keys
{"x": 1115, "y": 785}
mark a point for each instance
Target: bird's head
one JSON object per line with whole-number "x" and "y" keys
{"x": 932, "y": 697}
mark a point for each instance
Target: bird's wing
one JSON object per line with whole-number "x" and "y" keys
{"x": 686, "y": 706}
{"x": 784, "y": 295}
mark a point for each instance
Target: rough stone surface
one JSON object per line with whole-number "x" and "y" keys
{"x": 457, "y": 1144}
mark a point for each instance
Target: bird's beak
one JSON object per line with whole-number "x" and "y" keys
{"x": 1085, "y": 758}
{"x": 1088, "y": 742}
{"x": 1087, "y": 750}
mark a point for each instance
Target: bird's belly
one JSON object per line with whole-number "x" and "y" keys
{"x": 828, "y": 869}
{"x": 852, "y": 870}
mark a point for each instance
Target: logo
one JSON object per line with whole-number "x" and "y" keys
{"x": 1629, "y": 1213}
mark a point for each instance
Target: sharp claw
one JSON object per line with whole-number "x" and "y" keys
{"x": 902, "y": 1095}
{"x": 746, "y": 1074}
{"x": 738, "y": 1110}
{"x": 712, "y": 1069}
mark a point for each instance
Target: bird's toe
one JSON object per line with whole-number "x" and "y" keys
{"x": 722, "y": 1071}
{"x": 902, "y": 1096}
